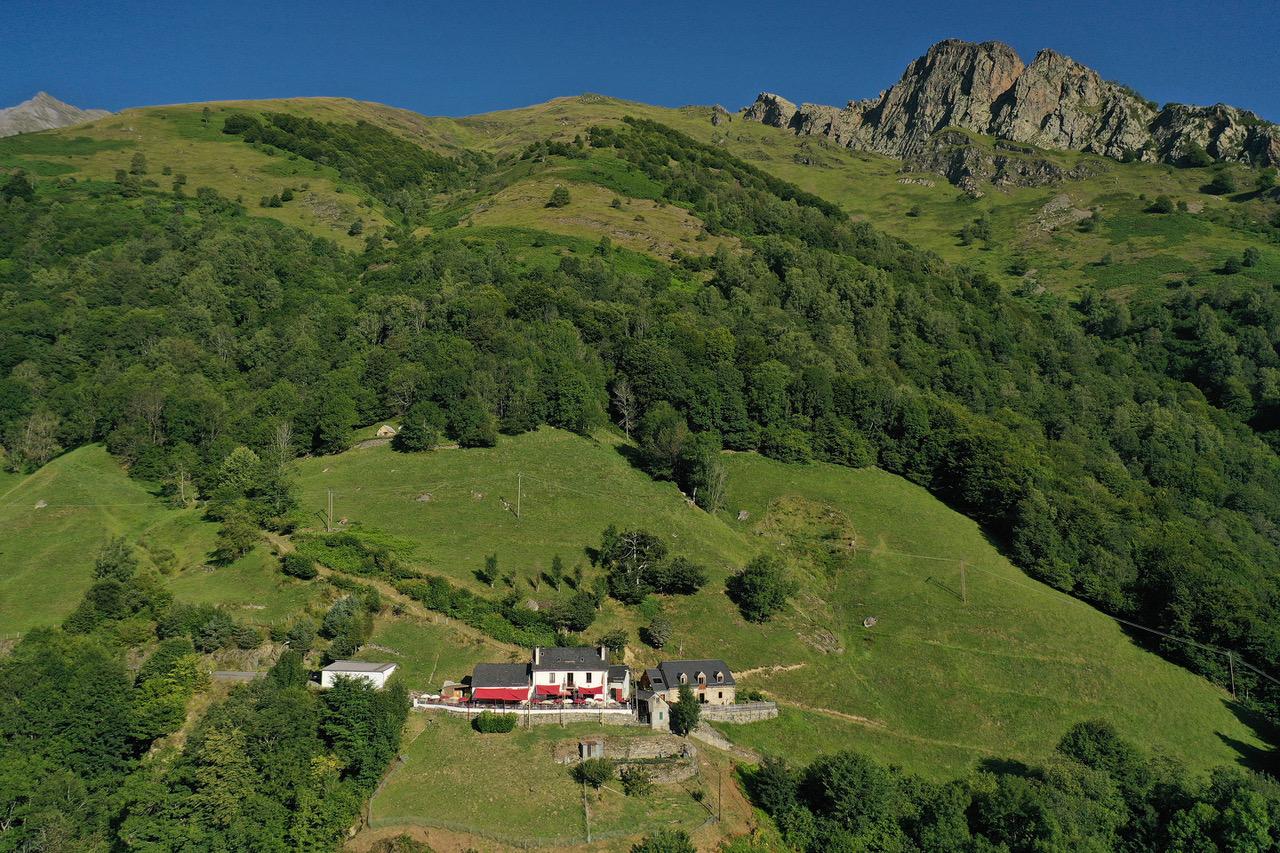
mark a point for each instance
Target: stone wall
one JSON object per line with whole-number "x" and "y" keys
{"x": 743, "y": 712}
{"x": 666, "y": 757}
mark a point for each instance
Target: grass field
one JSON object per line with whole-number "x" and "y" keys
{"x": 507, "y": 788}
{"x": 428, "y": 653}
{"x": 937, "y": 685}
{"x": 47, "y": 554}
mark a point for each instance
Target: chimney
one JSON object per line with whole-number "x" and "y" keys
{"x": 604, "y": 654}
{"x": 537, "y": 655}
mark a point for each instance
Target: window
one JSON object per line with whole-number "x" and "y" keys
{"x": 684, "y": 678}
{"x": 590, "y": 676}
{"x": 702, "y": 678}
{"x": 720, "y": 678}
{"x": 719, "y": 694}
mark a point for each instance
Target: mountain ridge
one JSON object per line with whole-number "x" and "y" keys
{"x": 1054, "y": 102}
{"x": 42, "y": 111}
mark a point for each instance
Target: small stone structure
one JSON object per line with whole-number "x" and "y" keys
{"x": 666, "y": 757}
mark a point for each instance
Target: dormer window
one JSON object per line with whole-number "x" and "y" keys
{"x": 684, "y": 678}
{"x": 720, "y": 678}
{"x": 702, "y": 678}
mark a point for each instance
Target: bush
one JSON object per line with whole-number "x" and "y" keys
{"x": 594, "y": 772}
{"x": 1162, "y": 204}
{"x": 296, "y": 565}
{"x": 1223, "y": 183}
{"x": 1251, "y": 257}
{"x": 490, "y": 723}
{"x": 636, "y": 781}
{"x": 559, "y": 197}
{"x": 666, "y": 841}
{"x": 761, "y": 589}
{"x": 614, "y": 641}
{"x": 658, "y": 632}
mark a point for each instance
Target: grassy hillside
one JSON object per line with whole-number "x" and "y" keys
{"x": 47, "y": 552}
{"x": 936, "y": 685}
{"x": 507, "y": 788}
{"x": 1035, "y": 242}
{"x": 54, "y": 523}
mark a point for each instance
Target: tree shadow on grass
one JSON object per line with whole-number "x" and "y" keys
{"x": 1259, "y": 758}
{"x": 1007, "y": 767}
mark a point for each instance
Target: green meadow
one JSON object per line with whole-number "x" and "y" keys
{"x": 506, "y": 788}
{"x": 946, "y": 677}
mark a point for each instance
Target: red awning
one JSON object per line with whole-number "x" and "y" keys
{"x": 547, "y": 689}
{"x": 501, "y": 694}
{"x": 591, "y": 691}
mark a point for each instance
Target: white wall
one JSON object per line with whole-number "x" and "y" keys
{"x": 377, "y": 679}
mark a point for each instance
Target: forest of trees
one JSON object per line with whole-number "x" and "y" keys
{"x": 276, "y": 766}
{"x": 1098, "y": 792}
{"x": 1117, "y": 458}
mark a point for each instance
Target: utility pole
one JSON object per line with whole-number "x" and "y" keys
{"x": 719, "y": 794}
{"x": 1231, "y": 664}
{"x": 519, "y": 491}
{"x": 328, "y": 519}
{"x": 964, "y": 590}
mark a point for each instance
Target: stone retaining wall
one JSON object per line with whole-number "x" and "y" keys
{"x": 742, "y": 712}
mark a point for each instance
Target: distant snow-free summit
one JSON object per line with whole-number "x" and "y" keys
{"x": 43, "y": 112}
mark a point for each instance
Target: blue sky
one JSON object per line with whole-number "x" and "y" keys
{"x": 456, "y": 59}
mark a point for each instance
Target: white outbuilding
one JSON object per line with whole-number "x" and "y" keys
{"x": 374, "y": 673}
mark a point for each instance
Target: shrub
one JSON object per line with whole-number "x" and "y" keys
{"x": 1223, "y": 183}
{"x": 1251, "y": 257}
{"x": 296, "y": 565}
{"x": 636, "y": 781}
{"x": 1162, "y": 204}
{"x": 614, "y": 641}
{"x": 658, "y": 632}
{"x": 761, "y": 589}
{"x": 665, "y": 841}
{"x": 490, "y": 723}
{"x": 559, "y": 197}
{"x": 593, "y": 771}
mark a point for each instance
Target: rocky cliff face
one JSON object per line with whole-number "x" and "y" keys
{"x": 43, "y": 112}
{"x": 1055, "y": 102}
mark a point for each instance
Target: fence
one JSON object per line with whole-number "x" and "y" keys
{"x": 620, "y": 715}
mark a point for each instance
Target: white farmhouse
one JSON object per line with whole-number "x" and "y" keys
{"x": 374, "y": 673}
{"x": 579, "y": 673}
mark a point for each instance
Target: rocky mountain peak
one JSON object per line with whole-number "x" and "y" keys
{"x": 43, "y": 112}
{"x": 1055, "y": 102}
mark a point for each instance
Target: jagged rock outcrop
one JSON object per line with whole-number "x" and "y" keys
{"x": 1055, "y": 102}
{"x": 1058, "y": 103}
{"x": 955, "y": 84}
{"x": 953, "y": 154}
{"x": 771, "y": 109}
{"x": 1225, "y": 133}
{"x": 43, "y": 112}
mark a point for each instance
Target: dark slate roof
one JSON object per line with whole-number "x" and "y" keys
{"x": 655, "y": 678}
{"x": 617, "y": 673}
{"x": 670, "y": 671}
{"x": 500, "y": 675}
{"x": 358, "y": 666}
{"x": 576, "y": 658}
